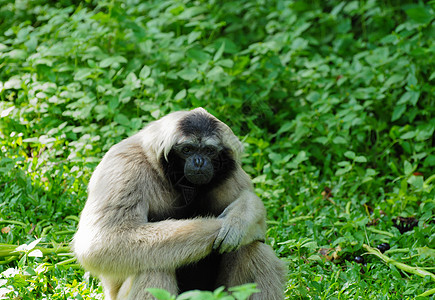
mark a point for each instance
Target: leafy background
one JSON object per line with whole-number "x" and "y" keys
{"x": 334, "y": 101}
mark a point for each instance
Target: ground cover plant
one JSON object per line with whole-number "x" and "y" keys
{"x": 334, "y": 101}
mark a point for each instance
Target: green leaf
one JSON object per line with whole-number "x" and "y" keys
{"x": 339, "y": 140}
{"x": 132, "y": 81}
{"x": 405, "y": 98}
{"x": 350, "y": 154}
{"x": 191, "y": 12}
{"x": 29, "y": 271}
{"x": 344, "y": 163}
{"x": 180, "y": 95}
{"x": 196, "y": 295}
{"x": 415, "y": 95}
{"x": 378, "y": 57}
{"x": 300, "y": 133}
{"x": 410, "y": 97}
{"x": 398, "y": 112}
{"x": 6, "y": 112}
{"x": 321, "y": 139}
{"x": 193, "y": 36}
{"x": 227, "y": 63}
{"x": 311, "y": 245}
{"x": 3, "y": 47}
{"x": 216, "y": 74}
{"x": 416, "y": 181}
{"x": 419, "y": 14}
{"x": 144, "y": 72}
{"x": 371, "y": 172}
{"x": 36, "y": 253}
{"x": 198, "y": 55}
{"x": 113, "y": 61}
{"x": 300, "y": 157}
{"x": 82, "y": 74}
{"x": 430, "y": 161}
{"x": 33, "y": 244}
{"x": 244, "y": 291}
{"x": 408, "y": 168}
{"x": 122, "y": 119}
{"x": 113, "y": 103}
{"x": 13, "y": 83}
{"x": 361, "y": 159}
{"x": 188, "y": 74}
{"x": 395, "y": 78}
{"x": 408, "y": 135}
{"x": 219, "y": 53}
{"x": 160, "y": 294}
{"x": 285, "y": 128}
{"x": 17, "y": 54}
{"x": 149, "y": 82}
{"x": 344, "y": 170}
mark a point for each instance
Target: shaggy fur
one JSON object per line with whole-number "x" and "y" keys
{"x": 129, "y": 234}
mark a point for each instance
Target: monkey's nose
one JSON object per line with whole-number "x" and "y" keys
{"x": 198, "y": 162}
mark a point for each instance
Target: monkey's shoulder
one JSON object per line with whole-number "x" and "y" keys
{"x": 128, "y": 150}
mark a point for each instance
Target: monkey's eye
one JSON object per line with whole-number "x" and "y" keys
{"x": 210, "y": 151}
{"x": 187, "y": 150}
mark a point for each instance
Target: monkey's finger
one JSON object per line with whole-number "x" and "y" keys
{"x": 220, "y": 238}
{"x": 231, "y": 241}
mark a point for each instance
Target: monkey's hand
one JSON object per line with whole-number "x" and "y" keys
{"x": 230, "y": 236}
{"x": 239, "y": 228}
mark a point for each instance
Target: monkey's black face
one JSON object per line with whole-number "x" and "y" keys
{"x": 198, "y": 161}
{"x": 194, "y": 169}
{"x": 201, "y": 162}
{"x": 197, "y": 165}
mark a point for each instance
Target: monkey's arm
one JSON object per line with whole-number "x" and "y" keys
{"x": 163, "y": 245}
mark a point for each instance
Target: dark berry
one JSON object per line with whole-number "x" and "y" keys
{"x": 359, "y": 259}
{"x": 386, "y": 246}
{"x": 381, "y": 248}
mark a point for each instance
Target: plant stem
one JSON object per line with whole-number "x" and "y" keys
{"x": 404, "y": 267}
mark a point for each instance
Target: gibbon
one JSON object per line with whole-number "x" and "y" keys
{"x": 171, "y": 207}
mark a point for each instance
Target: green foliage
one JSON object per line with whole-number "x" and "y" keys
{"x": 236, "y": 293}
{"x": 334, "y": 101}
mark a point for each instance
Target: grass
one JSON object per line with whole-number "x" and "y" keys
{"x": 334, "y": 101}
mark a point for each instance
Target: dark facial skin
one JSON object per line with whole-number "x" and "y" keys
{"x": 198, "y": 166}
{"x": 194, "y": 169}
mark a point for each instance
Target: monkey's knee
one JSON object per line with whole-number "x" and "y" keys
{"x": 257, "y": 263}
{"x": 152, "y": 279}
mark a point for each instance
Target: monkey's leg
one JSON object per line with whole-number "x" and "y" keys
{"x": 152, "y": 279}
{"x": 111, "y": 287}
{"x": 257, "y": 263}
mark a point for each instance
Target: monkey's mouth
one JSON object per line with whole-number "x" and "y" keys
{"x": 198, "y": 178}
